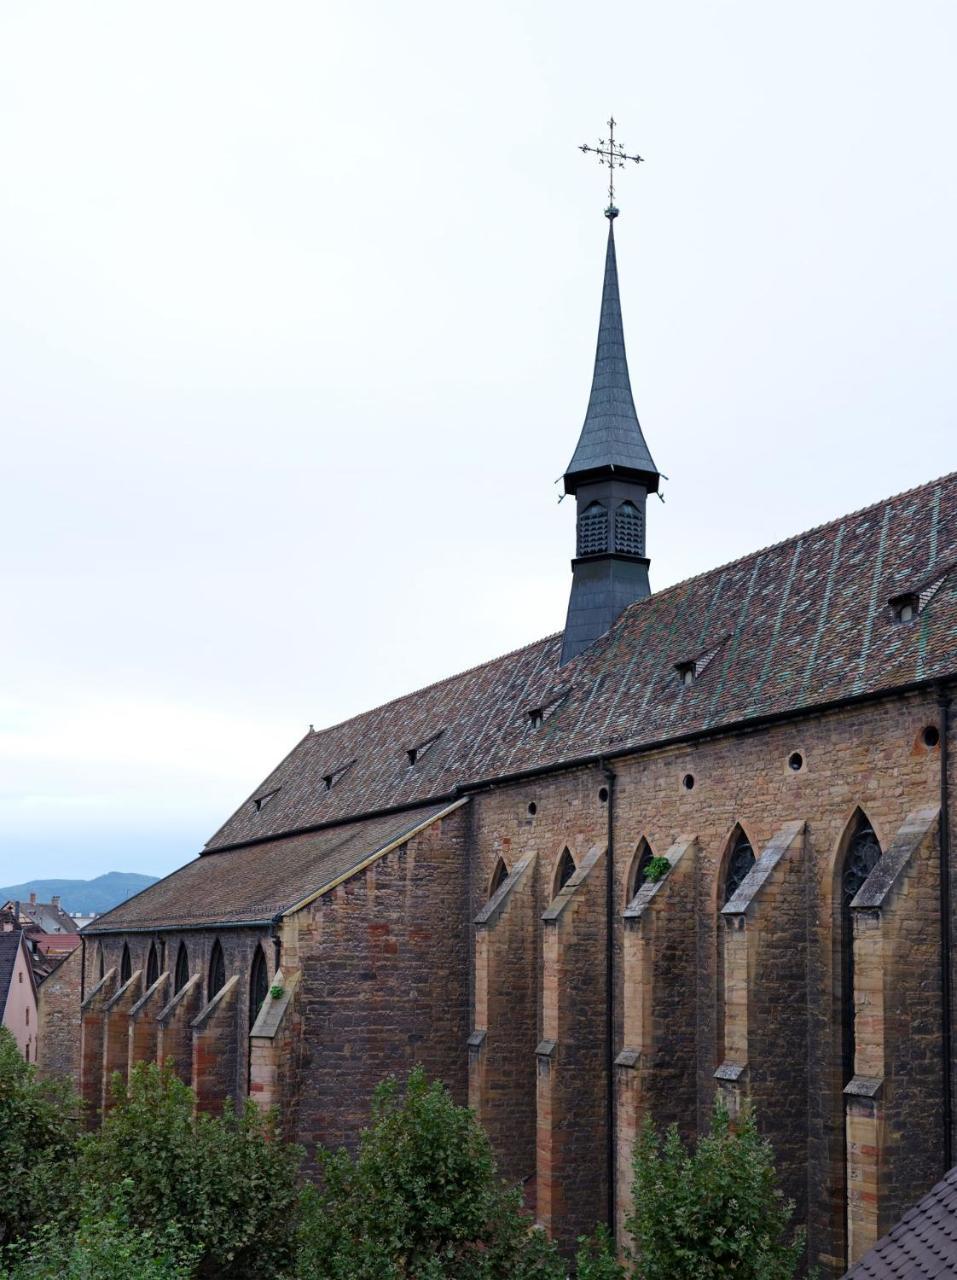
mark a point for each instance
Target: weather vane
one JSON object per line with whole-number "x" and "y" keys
{"x": 614, "y": 155}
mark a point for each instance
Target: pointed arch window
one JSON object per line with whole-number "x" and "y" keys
{"x": 499, "y": 876}
{"x": 182, "y": 968}
{"x": 566, "y": 869}
{"x": 258, "y": 984}
{"x": 740, "y": 861}
{"x": 100, "y": 961}
{"x": 639, "y": 864}
{"x": 126, "y": 965}
{"x": 593, "y": 530}
{"x": 152, "y": 966}
{"x": 217, "y": 970}
{"x": 630, "y": 529}
{"x": 861, "y": 856}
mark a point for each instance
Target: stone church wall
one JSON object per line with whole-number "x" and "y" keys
{"x": 58, "y": 1019}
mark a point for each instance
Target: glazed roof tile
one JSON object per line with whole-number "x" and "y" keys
{"x": 924, "y": 1242}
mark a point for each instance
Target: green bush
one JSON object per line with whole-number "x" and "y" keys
{"x": 714, "y": 1211}
{"x": 226, "y": 1182}
{"x": 421, "y": 1201}
{"x": 596, "y": 1259}
{"x": 657, "y": 868}
{"x": 38, "y": 1128}
{"x": 101, "y": 1248}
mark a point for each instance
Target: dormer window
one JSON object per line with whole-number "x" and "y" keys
{"x": 906, "y": 607}
{"x": 260, "y": 802}
{"x": 415, "y": 754}
{"x": 330, "y": 779}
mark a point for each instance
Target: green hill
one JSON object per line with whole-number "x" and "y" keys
{"x": 82, "y": 897}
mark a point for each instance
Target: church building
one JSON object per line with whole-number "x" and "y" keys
{"x": 695, "y": 845}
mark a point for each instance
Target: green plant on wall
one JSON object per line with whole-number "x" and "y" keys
{"x": 657, "y": 869}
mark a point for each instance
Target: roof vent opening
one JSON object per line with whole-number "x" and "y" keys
{"x": 686, "y": 672}
{"x": 906, "y": 607}
{"x": 330, "y": 779}
{"x": 416, "y": 753}
{"x": 260, "y": 802}
{"x": 538, "y": 715}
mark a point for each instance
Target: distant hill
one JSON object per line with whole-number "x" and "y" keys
{"x": 83, "y": 897}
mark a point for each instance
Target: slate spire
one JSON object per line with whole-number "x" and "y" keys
{"x": 611, "y": 474}
{"x": 611, "y": 438}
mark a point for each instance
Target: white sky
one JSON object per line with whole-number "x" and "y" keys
{"x": 299, "y": 311}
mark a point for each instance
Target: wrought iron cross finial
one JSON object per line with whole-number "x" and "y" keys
{"x": 612, "y": 154}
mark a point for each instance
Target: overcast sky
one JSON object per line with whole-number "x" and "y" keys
{"x": 299, "y": 303}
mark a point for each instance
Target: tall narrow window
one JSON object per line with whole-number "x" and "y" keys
{"x": 152, "y": 966}
{"x": 499, "y": 876}
{"x": 217, "y": 970}
{"x": 740, "y": 862}
{"x": 258, "y": 985}
{"x": 593, "y": 530}
{"x": 860, "y": 858}
{"x": 100, "y": 961}
{"x": 639, "y": 863}
{"x": 566, "y": 869}
{"x": 182, "y": 968}
{"x": 629, "y": 530}
{"x": 126, "y": 966}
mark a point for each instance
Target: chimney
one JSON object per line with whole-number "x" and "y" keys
{"x": 55, "y": 900}
{"x": 33, "y": 899}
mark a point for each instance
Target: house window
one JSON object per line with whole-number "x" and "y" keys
{"x": 861, "y": 856}
{"x": 126, "y": 966}
{"x": 630, "y": 530}
{"x": 258, "y": 984}
{"x": 217, "y": 970}
{"x": 182, "y": 968}
{"x": 593, "y": 530}
{"x": 27, "y": 1013}
{"x": 740, "y": 862}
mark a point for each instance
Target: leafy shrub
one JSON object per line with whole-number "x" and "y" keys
{"x": 226, "y": 1182}
{"x": 421, "y": 1201}
{"x": 101, "y": 1248}
{"x": 714, "y": 1211}
{"x": 38, "y": 1128}
{"x": 657, "y": 868}
{"x": 596, "y": 1259}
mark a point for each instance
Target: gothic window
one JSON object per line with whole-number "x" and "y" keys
{"x": 639, "y": 864}
{"x": 860, "y": 859}
{"x": 499, "y": 876}
{"x": 217, "y": 970}
{"x": 126, "y": 966}
{"x": 182, "y": 968}
{"x": 593, "y": 530}
{"x": 566, "y": 869}
{"x": 630, "y": 530}
{"x": 258, "y": 985}
{"x": 100, "y": 960}
{"x": 152, "y": 966}
{"x": 740, "y": 862}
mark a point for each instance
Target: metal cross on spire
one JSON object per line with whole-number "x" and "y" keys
{"x": 612, "y": 154}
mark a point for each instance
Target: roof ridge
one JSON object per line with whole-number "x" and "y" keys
{"x": 795, "y": 537}
{"x": 456, "y": 675}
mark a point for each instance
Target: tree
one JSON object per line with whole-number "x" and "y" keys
{"x": 38, "y": 1127}
{"x": 421, "y": 1201}
{"x": 714, "y": 1211}
{"x": 226, "y": 1183}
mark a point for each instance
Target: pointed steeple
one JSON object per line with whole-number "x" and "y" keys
{"x": 611, "y": 474}
{"x": 611, "y": 442}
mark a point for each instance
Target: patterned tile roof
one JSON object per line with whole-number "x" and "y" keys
{"x": 922, "y": 1245}
{"x": 253, "y": 885}
{"x": 797, "y": 625}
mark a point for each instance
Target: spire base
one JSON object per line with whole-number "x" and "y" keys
{"x": 611, "y": 212}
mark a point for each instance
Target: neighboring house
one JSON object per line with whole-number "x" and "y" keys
{"x": 18, "y": 992}
{"x": 924, "y": 1242}
{"x": 48, "y": 916}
